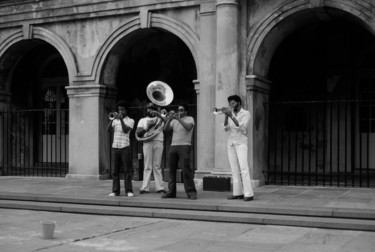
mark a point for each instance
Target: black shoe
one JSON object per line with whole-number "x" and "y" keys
{"x": 192, "y": 197}
{"x": 248, "y": 198}
{"x": 161, "y": 191}
{"x": 235, "y": 197}
{"x": 167, "y": 196}
{"x": 143, "y": 191}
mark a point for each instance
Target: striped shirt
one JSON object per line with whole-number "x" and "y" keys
{"x": 121, "y": 139}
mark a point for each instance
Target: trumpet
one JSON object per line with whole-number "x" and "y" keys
{"x": 164, "y": 113}
{"x": 220, "y": 111}
{"x": 112, "y": 115}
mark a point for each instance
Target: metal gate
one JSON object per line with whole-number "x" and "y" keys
{"x": 34, "y": 142}
{"x": 328, "y": 143}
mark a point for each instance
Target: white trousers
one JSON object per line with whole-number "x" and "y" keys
{"x": 152, "y": 152}
{"x": 237, "y": 155}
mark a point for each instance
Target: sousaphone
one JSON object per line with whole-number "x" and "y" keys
{"x": 160, "y": 94}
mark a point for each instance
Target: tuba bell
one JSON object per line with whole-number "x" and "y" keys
{"x": 160, "y": 94}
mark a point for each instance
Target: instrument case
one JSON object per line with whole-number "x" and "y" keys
{"x": 216, "y": 183}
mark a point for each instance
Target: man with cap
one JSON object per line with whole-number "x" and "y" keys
{"x": 152, "y": 149}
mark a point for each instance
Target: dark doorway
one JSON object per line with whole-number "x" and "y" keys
{"x": 157, "y": 56}
{"x": 36, "y": 125}
{"x": 144, "y": 56}
{"x": 316, "y": 105}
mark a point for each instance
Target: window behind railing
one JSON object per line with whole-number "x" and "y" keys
{"x": 34, "y": 142}
{"x": 329, "y": 143}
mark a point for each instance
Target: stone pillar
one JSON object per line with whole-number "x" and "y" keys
{"x": 205, "y": 88}
{"x": 257, "y": 96}
{"x": 89, "y": 146}
{"x": 227, "y": 72}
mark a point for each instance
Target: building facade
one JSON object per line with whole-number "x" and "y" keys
{"x": 304, "y": 69}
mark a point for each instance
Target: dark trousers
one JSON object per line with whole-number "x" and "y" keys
{"x": 176, "y": 153}
{"x": 122, "y": 157}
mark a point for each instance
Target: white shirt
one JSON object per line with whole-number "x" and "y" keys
{"x": 143, "y": 124}
{"x": 238, "y": 135}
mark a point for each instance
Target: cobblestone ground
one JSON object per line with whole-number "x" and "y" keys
{"x": 20, "y": 231}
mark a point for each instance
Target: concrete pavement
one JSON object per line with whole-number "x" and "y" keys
{"x": 20, "y": 231}
{"x": 325, "y": 207}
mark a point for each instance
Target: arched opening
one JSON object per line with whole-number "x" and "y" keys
{"x": 35, "y": 122}
{"x": 321, "y": 113}
{"x": 144, "y": 56}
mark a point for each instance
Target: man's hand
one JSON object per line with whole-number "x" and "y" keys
{"x": 154, "y": 113}
{"x": 118, "y": 116}
{"x": 150, "y": 123}
{"x": 227, "y": 112}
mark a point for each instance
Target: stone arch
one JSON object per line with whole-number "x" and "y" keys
{"x": 10, "y": 40}
{"x": 61, "y": 47}
{"x": 181, "y": 30}
{"x": 46, "y": 36}
{"x": 174, "y": 26}
{"x": 100, "y": 59}
{"x": 265, "y": 36}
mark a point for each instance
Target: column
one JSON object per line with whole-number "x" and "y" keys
{"x": 205, "y": 89}
{"x": 227, "y": 72}
{"x": 89, "y": 147}
{"x": 257, "y": 96}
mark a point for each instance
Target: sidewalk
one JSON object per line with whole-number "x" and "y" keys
{"x": 284, "y": 205}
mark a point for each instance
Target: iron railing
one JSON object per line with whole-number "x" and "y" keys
{"x": 328, "y": 143}
{"x": 34, "y": 142}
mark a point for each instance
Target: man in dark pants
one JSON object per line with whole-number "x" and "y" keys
{"x": 121, "y": 126}
{"x": 182, "y": 127}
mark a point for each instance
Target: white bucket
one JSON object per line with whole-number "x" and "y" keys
{"x": 48, "y": 228}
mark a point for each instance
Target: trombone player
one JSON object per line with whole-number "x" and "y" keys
{"x": 152, "y": 147}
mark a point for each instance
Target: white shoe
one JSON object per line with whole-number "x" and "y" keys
{"x": 130, "y": 194}
{"x": 112, "y": 194}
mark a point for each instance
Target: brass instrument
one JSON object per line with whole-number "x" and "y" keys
{"x": 220, "y": 111}
{"x": 159, "y": 93}
{"x": 162, "y": 95}
{"x": 112, "y": 115}
{"x": 164, "y": 113}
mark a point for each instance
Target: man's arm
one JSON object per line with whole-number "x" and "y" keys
{"x": 125, "y": 128}
{"x": 155, "y": 113}
{"x": 187, "y": 125}
{"x": 167, "y": 125}
{"x": 229, "y": 114}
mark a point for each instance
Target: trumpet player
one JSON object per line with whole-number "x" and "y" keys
{"x": 152, "y": 149}
{"x": 121, "y": 126}
{"x": 235, "y": 123}
{"x": 182, "y": 127}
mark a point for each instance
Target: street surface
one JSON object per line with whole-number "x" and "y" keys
{"x": 20, "y": 231}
